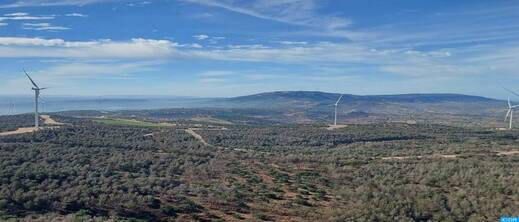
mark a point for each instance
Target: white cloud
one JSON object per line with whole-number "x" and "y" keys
{"x": 24, "y": 16}
{"x": 39, "y": 3}
{"x": 212, "y": 80}
{"x": 210, "y": 39}
{"x": 391, "y": 61}
{"x": 255, "y": 46}
{"x": 201, "y": 37}
{"x": 216, "y": 73}
{"x": 75, "y": 14}
{"x": 204, "y": 15}
{"x": 66, "y": 77}
{"x": 295, "y": 12}
{"x": 3, "y": 24}
{"x": 18, "y": 41}
{"x": 43, "y": 27}
{"x": 191, "y": 45}
{"x": 81, "y": 69}
{"x": 17, "y": 14}
{"x": 293, "y": 43}
{"x": 262, "y": 76}
{"x": 16, "y": 47}
{"x": 133, "y": 4}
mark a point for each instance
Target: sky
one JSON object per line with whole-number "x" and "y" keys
{"x": 222, "y": 48}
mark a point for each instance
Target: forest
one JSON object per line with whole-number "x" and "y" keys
{"x": 13, "y": 122}
{"x": 91, "y": 170}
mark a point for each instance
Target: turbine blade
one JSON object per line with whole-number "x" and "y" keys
{"x": 510, "y": 91}
{"x": 507, "y": 114}
{"x": 33, "y": 83}
{"x": 509, "y": 104}
{"x": 337, "y": 103}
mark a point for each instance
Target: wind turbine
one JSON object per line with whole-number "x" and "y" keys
{"x": 42, "y": 105}
{"x": 510, "y": 113}
{"x": 336, "y": 104}
{"x": 12, "y": 108}
{"x": 37, "y": 90}
{"x": 510, "y": 91}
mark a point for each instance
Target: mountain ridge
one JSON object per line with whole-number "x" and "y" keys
{"x": 327, "y": 95}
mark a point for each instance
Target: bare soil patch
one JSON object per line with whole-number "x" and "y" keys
{"x": 334, "y": 127}
{"x": 47, "y": 120}
{"x": 197, "y": 136}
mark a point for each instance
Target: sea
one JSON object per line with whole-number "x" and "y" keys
{"x": 10, "y": 105}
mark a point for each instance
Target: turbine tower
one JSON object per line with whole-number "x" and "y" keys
{"x": 12, "y": 108}
{"x": 37, "y": 90}
{"x": 511, "y": 108}
{"x": 510, "y": 113}
{"x": 336, "y": 104}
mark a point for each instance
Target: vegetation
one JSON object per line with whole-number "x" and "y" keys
{"x": 131, "y": 122}
{"x": 95, "y": 171}
{"x": 13, "y": 122}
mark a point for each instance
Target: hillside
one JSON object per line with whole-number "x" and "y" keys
{"x": 324, "y": 97}
{"x": 133, "y": 170}
{"x": 286, "y": 98}
{"x": 404, "y": 104}
{"x": 298, "y": 107}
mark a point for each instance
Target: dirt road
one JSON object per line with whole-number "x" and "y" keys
{"x": 197, "y": 136}
{"x": 19, "y": 131}
{"x": 334, "y": 127}
{"x": 447, "y": 156}
{"x": 47, "y": 120}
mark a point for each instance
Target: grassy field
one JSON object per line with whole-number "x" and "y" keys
{"x": 211, "y": 120}
{"x": 131, "y": 122}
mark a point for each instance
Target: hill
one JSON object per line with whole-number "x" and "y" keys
{"x": 324, "y": 97}
{"x": 379, "y": 104}
{"x": 301, "y": 107}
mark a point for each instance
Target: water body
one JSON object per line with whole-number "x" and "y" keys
{"x": 10, "y": 105}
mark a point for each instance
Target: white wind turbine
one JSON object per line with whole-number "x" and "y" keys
{"x": 37, "y": 90}
{"x": 336, "y": 104}
{"x": 12, "y": 108}
{"x": 510, "y": 113}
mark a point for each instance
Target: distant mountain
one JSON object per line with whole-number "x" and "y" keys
{"x": 301, "y": 106}
{"x": 298, "y": 99}
{"x": 309, "y": 107}
{"x": 293, "y": 106}
{"x": 323, "y": 96}
{"x": 288, "y": 95}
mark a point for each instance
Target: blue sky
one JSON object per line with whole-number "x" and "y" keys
{"x": 237, "y": 47}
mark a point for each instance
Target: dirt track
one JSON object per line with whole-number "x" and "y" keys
{"x": 19, "y": 131}
{"x": 333, "y": 127}
{"x": 419, "y": 157}
{"x": 47, "y": 120}
{"x": 197, "y": 136}
{"x": 447, "y": 156}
